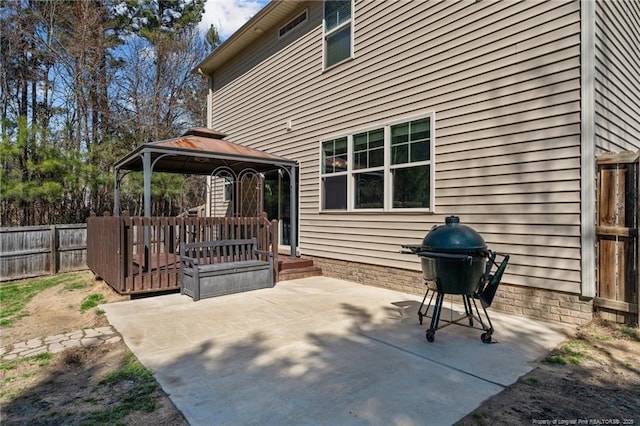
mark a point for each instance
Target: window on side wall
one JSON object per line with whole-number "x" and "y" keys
{"x": 228, "y": 191}
{"x": 368, "y": 169}
{"x": 334, "y": 174}
{"x": 410, "y": 164}
{"x": 388, "y": 168}
{"x": 338, "y": 31}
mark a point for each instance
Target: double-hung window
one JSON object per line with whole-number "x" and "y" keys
{"x": 334, "y": 174}
{"x": 338, "y": 31}
{"x": 387, "y": 168}
{"x": 368, "y": 173}
{"x": 410, "y": 164}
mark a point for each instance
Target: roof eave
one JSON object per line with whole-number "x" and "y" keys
{"x": 250, "y": 31}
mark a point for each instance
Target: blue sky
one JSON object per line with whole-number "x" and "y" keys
{"x": 229, "y": 15}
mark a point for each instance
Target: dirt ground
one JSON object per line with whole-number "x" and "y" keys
{"x": 70, "y": 388}
{"x": 598, "y": 383}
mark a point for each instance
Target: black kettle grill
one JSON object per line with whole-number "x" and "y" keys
{"x": 455, "y": 260}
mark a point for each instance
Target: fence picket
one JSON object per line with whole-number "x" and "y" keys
{"x": 618, "y": 244}
{"x": 159, "y": 269}
{"x": 31, "y": 251}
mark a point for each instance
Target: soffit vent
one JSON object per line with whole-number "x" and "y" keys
{"x": 292, "y": 24}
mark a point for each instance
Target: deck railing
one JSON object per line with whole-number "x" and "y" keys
{"x": 142, "y": 254}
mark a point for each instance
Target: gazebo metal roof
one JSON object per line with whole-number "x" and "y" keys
{"x": 200, "y": 151}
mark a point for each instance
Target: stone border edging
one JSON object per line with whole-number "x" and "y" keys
{"x": 59, "y": 342}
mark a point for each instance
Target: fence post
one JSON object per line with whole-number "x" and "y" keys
{"x": 54, "y": 250}
{"x": 123, "y": 250}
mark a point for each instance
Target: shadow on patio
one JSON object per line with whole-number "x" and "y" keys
{"x": 322, "y": 351}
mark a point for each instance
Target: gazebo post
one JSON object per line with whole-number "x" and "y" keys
{"x": 116, "y": 194}
{"x": 146, "y": 167}
{"x": 294, "y": 211}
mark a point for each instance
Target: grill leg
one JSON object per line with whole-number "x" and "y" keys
{"x": 486, "y": 337}
{"x": 435, "y": 319}
{"x": 467, "y": 308}
{"x": 421, "y": 314}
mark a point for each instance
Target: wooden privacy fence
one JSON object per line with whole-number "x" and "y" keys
{"x": 32, "y": 251}
{"x": 617, "y": 236}
{"x": 142, "y": 254}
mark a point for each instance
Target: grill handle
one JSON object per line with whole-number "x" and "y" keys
{"x": 452, "y": 256}
{"x": 489, "y": 291}
{"x": 411, "y": 248}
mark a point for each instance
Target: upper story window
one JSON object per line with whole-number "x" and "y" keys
{"x": 338, "y": 31}
{"x": 389, "y": 168}
{"x": 292, "y": 24}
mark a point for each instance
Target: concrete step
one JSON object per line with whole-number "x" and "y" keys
{"x": 297, "y": 273}
{"x": 287, "y": 263}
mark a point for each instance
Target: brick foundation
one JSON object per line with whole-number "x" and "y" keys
{"x": 547, "y": 305}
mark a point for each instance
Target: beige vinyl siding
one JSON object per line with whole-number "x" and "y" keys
{"x": 617, "y": 82}
{"x": 218, "y": 207}
{"x": 503, "y": 79}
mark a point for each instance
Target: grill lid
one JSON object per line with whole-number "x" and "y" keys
{"x": 453, "y": 237}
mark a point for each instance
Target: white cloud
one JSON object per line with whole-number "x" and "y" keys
{"x": 229, "y": 15}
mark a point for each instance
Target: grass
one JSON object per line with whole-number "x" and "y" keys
{"x": 612, "y": 331}
{"x": 91, "y": 400}
{"x": 138, "y": 397}
{"x": 630, "y": 333}
{"x": 479, "y": 415}
{"x": 42, "y": 360}
{"x": 15, "y": 296}
{"x": 91, "y": 301}
{"x": 479, "y": 418}
{"x": 573, "y": 352}
{"x": 76, "y": 285}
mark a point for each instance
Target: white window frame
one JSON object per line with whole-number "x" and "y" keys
{"x": 306, "y": 19}
{"x": 326, "y": 33}
{"x": 388, "y": 168}
{"x": 227, "y": 192}
{"x": 335, "y": 174}
{"x": 352, "y": 172}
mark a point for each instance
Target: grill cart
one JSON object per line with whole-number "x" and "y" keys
{"x": 456, "y": 261}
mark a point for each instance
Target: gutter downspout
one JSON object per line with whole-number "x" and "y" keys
{"x": 587, "y": 148}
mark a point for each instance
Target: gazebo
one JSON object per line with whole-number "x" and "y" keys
{"x": 140, "y": 255}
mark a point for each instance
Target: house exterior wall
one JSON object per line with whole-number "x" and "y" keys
{"x": 617, "y": 76}
{"x": 219, "y": 205}
{"x": 503, "y": 80}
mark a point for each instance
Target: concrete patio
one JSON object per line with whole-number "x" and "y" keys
{"x": 323, "y": 351}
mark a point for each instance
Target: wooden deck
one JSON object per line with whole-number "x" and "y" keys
{"x": 155, "y": 264}
{"x": 141, "y": 254}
